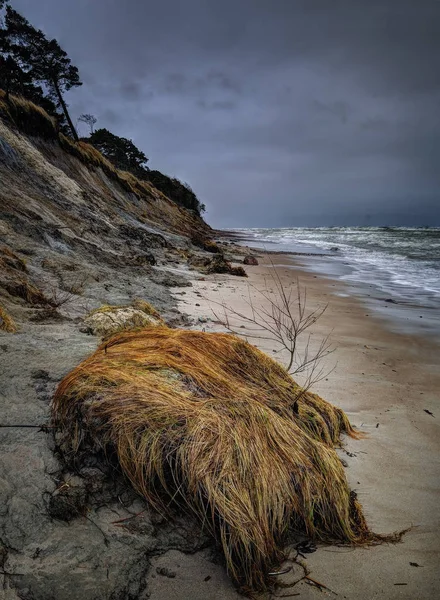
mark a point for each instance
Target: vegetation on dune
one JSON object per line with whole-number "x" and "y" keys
{"x": 125, "y": 156}
{"x": 33, "y": 120}
{"x": 7, "y": 323}
{"x": 29, "y": 58}
{"x": 215, "y": 425}
{"x": 204, "y": 242}
{"x": 180, "y": 193}
{"x": 27, "y": 116}
{"x": 119, "y": 151}
{"x": 36, "y": 70}
{"x": 88, "y": 155}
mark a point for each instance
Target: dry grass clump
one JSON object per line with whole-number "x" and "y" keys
{"x": 27, "y": 116}
{"x": 220, "y": 265}
{"x": 135, "y": 185}
{"x": 9, "y": 260}
{"x": 210, "y": 422}
{"x": 21, "y": 288}
{"x": 202, "y": 241}
{"x": 7, "y": 323}
{"x": 108, "y": 319}
{"x": 14, "y": 279}
{"x": 88, "y": 155}
{"x": 147, "y": 308}
{"x": 238, "y": 271}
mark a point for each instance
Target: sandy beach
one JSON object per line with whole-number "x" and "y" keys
{"x": 386, "y": 382}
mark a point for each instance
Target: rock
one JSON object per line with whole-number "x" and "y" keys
{"x": 250, "y": 260}
{"x": 108, "y": 320}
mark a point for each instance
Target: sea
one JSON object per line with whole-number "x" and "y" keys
{"x": 395, "y": 270}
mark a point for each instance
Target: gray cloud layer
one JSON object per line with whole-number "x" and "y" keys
{"x": 277, "y": 112}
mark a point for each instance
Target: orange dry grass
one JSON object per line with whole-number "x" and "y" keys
{"x": 87, "y": 154}
{"x": 10, "y": 262}
{"x": 7, "y": 323}
{"x": 27, "y": 116}
{"x": 208, "y": 420}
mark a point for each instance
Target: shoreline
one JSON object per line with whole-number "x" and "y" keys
{"x": 385, "y": 381}
{"x": 421, "y": 319}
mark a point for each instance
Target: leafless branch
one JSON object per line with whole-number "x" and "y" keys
{"x": 284, "y": 318}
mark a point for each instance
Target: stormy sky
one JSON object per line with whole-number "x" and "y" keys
{"x": 277, "y": 112}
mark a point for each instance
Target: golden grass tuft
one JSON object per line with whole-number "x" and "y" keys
{"x": 202, "y": 240}
{"x": 10, "y": 261}
{"x": 212, "y": 423}
{"x": 147, "y": 308}
{"x": 7, "y": 323}
{"x": 27, "y": 116}
{"x": 21, "y": 288}
{"x": 88, "y": 155}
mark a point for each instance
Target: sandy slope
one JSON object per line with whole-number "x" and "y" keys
{"x": 384, "y": 381}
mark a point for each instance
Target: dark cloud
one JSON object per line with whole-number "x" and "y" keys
{"x": 278, "y": 112}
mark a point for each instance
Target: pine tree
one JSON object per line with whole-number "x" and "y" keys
{"x": 44, "y": 60}
{"x": 120, "y": 151}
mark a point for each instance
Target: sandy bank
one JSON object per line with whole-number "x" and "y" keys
{"x": 385, "y": 382}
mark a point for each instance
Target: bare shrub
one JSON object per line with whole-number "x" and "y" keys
{"x": 284, "y": 318}
{"x": 61, "y": 296}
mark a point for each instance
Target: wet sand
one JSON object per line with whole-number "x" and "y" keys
{"x": 385, "y": 381}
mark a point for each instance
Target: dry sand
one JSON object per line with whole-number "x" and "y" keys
{"x": 385, "y": 382}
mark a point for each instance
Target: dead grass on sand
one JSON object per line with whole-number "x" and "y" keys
{"x": 209, "y": 421}
{"x": 7, "y": 323}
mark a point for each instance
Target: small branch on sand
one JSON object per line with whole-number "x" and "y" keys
{"x": 128, "y": 518}
{"x": 320, "y": 586}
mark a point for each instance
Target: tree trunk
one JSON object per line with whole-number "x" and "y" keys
{"x": 66, "y": 112}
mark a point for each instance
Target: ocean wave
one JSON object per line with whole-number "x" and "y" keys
{"x": 404, "y": 261}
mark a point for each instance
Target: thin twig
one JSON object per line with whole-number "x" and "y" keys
{"x": 283, "y": 318}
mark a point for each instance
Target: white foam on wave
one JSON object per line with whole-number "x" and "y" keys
{"x": 400, "y": 261}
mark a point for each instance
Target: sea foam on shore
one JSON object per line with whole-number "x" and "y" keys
{"x": 396, "y": 270}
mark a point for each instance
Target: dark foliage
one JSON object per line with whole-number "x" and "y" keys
{"x": 120, "y": 151}
{"x": 29, "y": 58}
{"x": 127, "y": 157}
{"x": 179, "y": 192}
{"x": 203, "y": 241}
{"x": 38, "y": 69}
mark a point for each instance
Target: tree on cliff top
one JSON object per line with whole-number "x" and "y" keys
{"x": 127, "y": 157}
{"x": 89, "y": 120}
{"x": 41, "y": 59}
{"x": 120, "y": 151}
